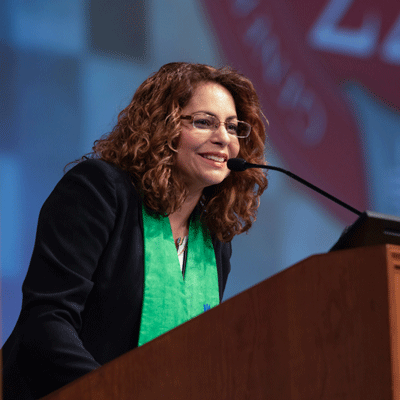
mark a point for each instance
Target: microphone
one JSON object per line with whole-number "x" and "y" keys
{"x": 238, "y": 164}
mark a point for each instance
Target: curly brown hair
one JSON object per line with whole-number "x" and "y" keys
{"x": 144, "y": 143}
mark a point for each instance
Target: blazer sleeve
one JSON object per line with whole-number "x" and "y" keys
{"x": 223, "y": 253}
{"x": 74, "y": 225}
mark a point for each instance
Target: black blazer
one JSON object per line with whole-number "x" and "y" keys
{"x": 82, "y": 296}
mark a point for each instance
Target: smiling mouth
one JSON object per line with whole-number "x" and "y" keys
{"x": 213, "y": 158}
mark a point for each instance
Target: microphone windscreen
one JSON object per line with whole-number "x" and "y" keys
{"x": 237, "y": 164}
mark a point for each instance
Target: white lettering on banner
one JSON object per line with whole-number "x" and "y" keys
{"x": 243, "y": 8}
{"x": 276, "y": 67}
{"x": 390, "y": 51}
{"x": 294, "y": 96}
{"x": 326, "y": 34}
{"x": 257, "y": 34}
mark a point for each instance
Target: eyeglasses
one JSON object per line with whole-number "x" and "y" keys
{"x": 204, "y": 121}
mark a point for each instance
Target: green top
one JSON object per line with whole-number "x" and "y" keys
{"x": 169, "y": 298}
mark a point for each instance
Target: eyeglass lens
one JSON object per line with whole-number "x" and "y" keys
{"x": 234, "y": 127}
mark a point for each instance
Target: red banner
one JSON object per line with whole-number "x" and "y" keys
{"x": 310, "y": 123}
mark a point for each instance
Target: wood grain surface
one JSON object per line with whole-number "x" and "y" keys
{"x": 318, "y": 330}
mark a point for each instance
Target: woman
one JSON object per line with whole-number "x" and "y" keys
{"x": 135, "y": 239}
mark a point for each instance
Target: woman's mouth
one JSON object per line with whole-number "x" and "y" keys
{"x": 213, "y": 157}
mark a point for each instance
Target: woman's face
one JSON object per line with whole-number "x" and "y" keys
{"x": 202, "y": 154}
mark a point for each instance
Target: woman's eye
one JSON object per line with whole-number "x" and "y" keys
{"x": 203, "y": 122}
{"x": 232, "y": 128}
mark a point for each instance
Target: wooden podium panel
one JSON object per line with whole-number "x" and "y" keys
{"x": 326, "y": 328}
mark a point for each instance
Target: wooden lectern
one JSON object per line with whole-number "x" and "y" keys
{"x": 325, "y": 328}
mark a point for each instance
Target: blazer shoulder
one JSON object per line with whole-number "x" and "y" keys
{"x": 102, "y": 174}
{"x": 97, "y": 167}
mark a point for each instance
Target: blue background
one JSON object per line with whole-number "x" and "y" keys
{"x": 68, "y": 67}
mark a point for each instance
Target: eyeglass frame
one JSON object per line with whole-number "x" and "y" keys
{"x": 214, "y": 127}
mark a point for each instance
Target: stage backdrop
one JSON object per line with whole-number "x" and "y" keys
{"x": 328, "y": 77}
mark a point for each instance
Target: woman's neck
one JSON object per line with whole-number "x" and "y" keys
{"x": 179, "y": 219}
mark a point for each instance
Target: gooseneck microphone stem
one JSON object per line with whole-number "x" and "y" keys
{"x": 317, "y": 189}
{"x": 237, "y": 164}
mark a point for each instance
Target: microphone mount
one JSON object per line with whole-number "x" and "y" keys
{"x": 238, "y": 164}
{"x": 370, "y": 228}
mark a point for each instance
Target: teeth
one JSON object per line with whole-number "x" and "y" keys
{"x": 214, "y": 158}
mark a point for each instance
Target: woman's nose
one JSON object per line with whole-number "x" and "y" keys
{"x": 221, "y": 135}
